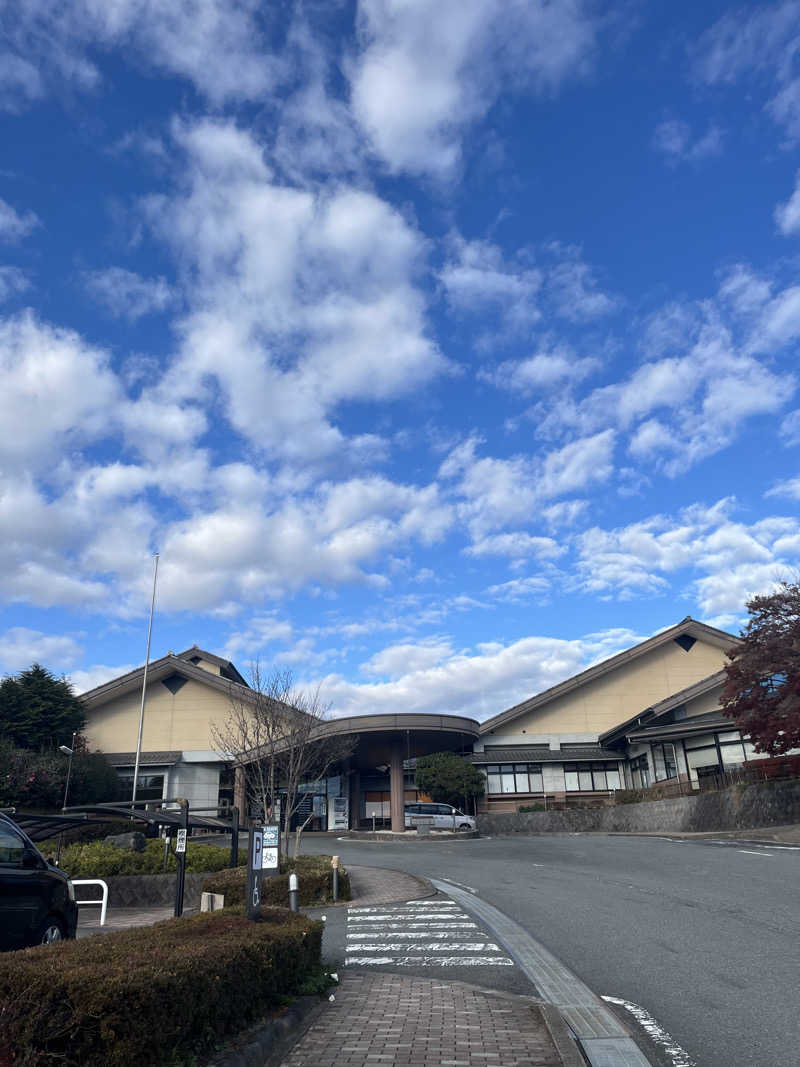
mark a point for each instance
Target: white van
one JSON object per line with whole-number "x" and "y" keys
{"x": 445, "y": 816}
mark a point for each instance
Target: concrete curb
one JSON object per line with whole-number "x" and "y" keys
{"x": 385, "y": 837}
{"x": 266, "y": 1043}
{"x": 561, "y": 1036}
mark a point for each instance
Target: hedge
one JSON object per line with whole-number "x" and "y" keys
{"x": 314, "y": 876}
{"x": 155, "y": 995}
{"x": 96, "y": 860}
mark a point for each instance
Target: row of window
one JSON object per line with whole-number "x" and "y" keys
{"x": 527, "y": 777}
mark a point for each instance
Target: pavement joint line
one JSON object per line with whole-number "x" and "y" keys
{"x": 586, "y": 1014}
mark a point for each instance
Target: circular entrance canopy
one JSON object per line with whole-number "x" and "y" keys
{"x": 419, "y": 734}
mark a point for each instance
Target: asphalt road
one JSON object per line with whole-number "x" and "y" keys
{"x": 705, "y": 937}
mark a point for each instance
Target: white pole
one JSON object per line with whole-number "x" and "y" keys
{"x": 144, "y": 681}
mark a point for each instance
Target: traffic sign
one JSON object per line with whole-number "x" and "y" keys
{"x": 180, "y": 844}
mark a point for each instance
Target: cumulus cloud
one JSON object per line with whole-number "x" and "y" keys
{"x": 518, "y": 545}
{"x": 13, "y": 225}
{"x": 544, "y": 370}
{"x": 476, "y": 682}
{"x": 424, "y": 72}
{"x": 220, "y": 47}
{"x": 302, "y": 300}
{"x": 734, "y": 560}
{"x": 21, "y": 646}
{"x": 126, "y": 294}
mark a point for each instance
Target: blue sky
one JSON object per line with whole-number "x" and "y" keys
{"x": 440, "y": 349}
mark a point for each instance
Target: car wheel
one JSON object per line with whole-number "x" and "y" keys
{"x": 51, "y": 930}
{"x": 464, "y": 826}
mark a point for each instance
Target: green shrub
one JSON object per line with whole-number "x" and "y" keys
{"x": 531, "y": 807}
{"x": 314, "y": 877}
{"x": 96, "y": 860}
{"x": 154, "y": 995}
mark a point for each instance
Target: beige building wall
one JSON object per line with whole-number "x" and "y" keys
{"x": 704, "y": 703}
{"x": 607, "y": 701}
{"x": 172, "y": 722}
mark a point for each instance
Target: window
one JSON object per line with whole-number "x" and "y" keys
{"x": 514, "y": 778}
{"x": 12, "y": 848}
{"x": 148, "y": 786}
{"x": 666, "y": 766}
{"x": 591, "y": 777}
{"x": 640, "y": 772}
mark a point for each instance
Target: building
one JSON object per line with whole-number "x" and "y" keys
{"x": 648, "y": 714}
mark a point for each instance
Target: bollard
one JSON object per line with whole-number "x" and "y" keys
{"x": 335, "y": 865}
{"x": 293, "y": 892}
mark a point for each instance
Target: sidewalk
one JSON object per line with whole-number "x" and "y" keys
{"x": 378, "y": 1019}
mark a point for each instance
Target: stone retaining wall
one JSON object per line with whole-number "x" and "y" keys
{"x": 738, "y": 808}
{"x": 146, "y": 890}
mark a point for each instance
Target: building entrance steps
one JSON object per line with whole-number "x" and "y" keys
{"x": 407, "y": 1021}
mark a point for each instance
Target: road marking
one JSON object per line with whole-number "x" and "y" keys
{"x": 452, "y": 881}
{"x": 433, "y": 933}
{"x": 677, "y": 1054}
{"x": 749, "y": 852}
{"x": 430, "y": 961}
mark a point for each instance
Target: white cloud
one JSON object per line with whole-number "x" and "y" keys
{"x": 734, "y": 560}
{"x": 789, "y": 487}
{"x": 673, "y": 138}
{"x": 477, "y": 276}
{"x": 518, "y": 545}
{"x": 760, "y": 41}
{"x": 477, "y": 682}
{"x": 90, "y": 677}
{"x": 787, "y": 214}
{"x": 790, "y": 428}
{"x": 219, "y": 46}
{"x": 518, "y": 589}
{"x": 425, "y": 71}
{"x": 13, "y": 226}
{"x": 395, "y": 661}
{"x": 542, "y": 371}
{"x": 301, "y": 300}
{"x": 12, "y": 281}
{"x": 126, "y": 294}
{"x": 21, "y": 646}
{"x": 573, "y": 287}
{"x": 56, "y": 388}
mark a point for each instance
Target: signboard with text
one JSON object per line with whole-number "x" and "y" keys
{"x": 270, "y": 858}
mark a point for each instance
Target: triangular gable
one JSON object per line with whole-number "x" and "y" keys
{"x": 684, "y": 635}
{"x": 160, "y": 669}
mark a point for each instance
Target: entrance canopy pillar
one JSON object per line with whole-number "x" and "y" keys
{"x": 397, "y": 788}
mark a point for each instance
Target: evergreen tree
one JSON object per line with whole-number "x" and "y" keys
{"x": 39, "y": 711}
{"x": 448, "y": 778}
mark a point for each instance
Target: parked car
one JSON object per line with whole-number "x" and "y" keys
{"x": 445, "y": 816}
{"x": 37, "y": 900}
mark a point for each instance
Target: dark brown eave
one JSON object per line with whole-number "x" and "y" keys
{"x": 699, "y": 630}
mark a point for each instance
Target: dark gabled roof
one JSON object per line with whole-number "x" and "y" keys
{"x": 227, "y": 669}
{"x": 162, "y": 668}
{"x": 705, "y": 685}
{"x": 694, "y": 724}
{"x": 543, "y": 754}
{"x": 146, "y": 759}
{"x": 687, "y": 626}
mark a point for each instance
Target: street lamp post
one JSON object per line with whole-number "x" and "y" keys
{"x": 67, "y": 752}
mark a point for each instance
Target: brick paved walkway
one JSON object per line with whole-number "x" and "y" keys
{"x": 374, "y": 885}
{"x": 378, "y": 1020}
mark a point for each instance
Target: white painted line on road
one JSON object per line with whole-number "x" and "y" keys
{"x": 677, "y": 1054}
{"x": 433, "y": 946}
{"x": 451, "y": 881}
{"x": 430, "y": 961}
{"x": 384, "y": 915}
{"x": 748, "y": 852}
{"x": 421, "y": 926}
{"x": 412, "y": 934}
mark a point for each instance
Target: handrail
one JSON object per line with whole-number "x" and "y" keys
{"x": 103, "y": 902}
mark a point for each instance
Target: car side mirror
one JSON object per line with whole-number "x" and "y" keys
{"x": 31, "y": 860}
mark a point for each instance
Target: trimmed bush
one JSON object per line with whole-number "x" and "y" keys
{"x": 314, "y": 876}
{"x": 97, "y": 860}
{"x": 160, "y": 994}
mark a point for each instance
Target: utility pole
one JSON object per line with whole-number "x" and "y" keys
{"x": 144, "y": 683}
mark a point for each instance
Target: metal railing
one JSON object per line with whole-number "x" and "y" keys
{"x": 103, "y": 901}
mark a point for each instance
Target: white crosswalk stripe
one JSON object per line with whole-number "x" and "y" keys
{"x": 423, "y": 933}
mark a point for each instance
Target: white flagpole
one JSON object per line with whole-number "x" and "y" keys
{"x": 144, "y": 682}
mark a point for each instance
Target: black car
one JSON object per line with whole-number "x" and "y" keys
{"x": 37, "y": 901}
